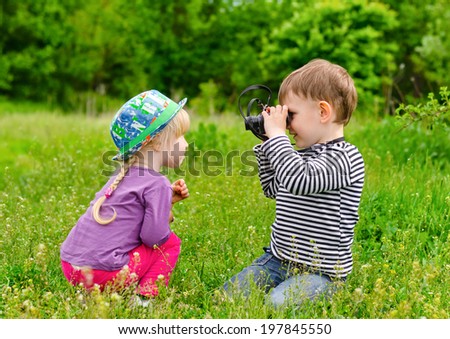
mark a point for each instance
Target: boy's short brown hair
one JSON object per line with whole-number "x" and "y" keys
{"x": 321, "y": 80}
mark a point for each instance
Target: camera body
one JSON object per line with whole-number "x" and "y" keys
{"x": 256, "y": 123}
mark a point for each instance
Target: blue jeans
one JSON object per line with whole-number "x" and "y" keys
{"x": 287, "y": 284}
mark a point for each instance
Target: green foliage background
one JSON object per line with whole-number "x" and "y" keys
{"x": 80, "y": 54}
{"x": 90, "y": 56}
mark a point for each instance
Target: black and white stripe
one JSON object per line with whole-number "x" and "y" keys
{"x": 317, "y": 194}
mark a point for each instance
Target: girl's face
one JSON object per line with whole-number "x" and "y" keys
{"x": 174, "y": 155}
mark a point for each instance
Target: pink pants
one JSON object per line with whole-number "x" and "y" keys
{"x": 146, "y": 267}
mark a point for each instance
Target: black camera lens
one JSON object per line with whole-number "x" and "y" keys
{"x": 255, "y": 123}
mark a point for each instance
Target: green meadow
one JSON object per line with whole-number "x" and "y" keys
{"x": 52, "y": 164}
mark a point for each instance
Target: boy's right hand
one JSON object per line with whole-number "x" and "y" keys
{"x": 275, "y": 121}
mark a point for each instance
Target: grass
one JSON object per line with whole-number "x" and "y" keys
{"x": 51, "y": 166}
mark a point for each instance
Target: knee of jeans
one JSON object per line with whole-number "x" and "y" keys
{"x": 296, "y": 290}
{"x": 276, "y": 298}
{"x": 252, "y": 275}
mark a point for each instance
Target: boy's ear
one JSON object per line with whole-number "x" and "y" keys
{"x": 325, "y": 111}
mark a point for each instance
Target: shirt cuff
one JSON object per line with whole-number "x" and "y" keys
{"x": 277, "y": 148}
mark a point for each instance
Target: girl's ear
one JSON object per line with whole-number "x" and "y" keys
{"x": 325, "y": 111}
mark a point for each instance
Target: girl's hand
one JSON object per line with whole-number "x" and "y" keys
{"x": 180, "y": 191}
{"x": 275, "y": 121}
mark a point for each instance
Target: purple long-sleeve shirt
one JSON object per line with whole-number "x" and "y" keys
{"x": 142, "y": 200}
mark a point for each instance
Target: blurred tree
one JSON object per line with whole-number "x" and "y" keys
{"x": 32, "y": 31}
{"x": 432, "y": 56}
{"x": 353, "y": 34}
{"x": 80, "y": 54}
{"x": 423, "y": 44}
{"x": 106, "y": 52}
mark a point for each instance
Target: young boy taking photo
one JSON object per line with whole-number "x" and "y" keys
{"x": 317, "y": 188}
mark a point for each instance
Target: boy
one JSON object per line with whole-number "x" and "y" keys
{"x": 317, "y": 189}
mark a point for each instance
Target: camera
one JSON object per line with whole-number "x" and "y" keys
{"x": 255, "y": 123}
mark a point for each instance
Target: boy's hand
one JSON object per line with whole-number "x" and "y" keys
{"x": 180, "y": 191}
{"x": 275, "y": 121}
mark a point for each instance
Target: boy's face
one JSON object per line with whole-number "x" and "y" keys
{"x": 305, "y": 125}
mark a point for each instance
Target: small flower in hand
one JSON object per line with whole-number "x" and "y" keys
{"x": 180, "y": 191}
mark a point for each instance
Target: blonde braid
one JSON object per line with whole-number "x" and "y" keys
{"x": 98, "y": 204}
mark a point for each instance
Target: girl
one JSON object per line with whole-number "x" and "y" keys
{"x": 124, "y": 237}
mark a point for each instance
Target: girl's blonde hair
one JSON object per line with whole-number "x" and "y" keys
{"x": 176, "y": 128}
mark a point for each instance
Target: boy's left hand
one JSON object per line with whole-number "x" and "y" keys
{"x": 180, "y": 191}
{"x": 275, "y": 121}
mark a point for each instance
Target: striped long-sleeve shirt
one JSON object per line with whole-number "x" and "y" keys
{"x": 317, "y": 192}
